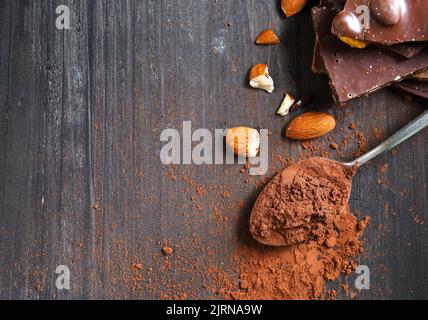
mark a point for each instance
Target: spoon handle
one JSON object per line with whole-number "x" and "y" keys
{"x": 409, "y": 130}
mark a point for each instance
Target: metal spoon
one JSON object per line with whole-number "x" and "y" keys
{"x": 299, "y": 231}
{"x": 402, "y": 135}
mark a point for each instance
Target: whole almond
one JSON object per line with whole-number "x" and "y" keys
{"x": 310, "y": 125}
{"x": 243, "y": 141}
{"x": 267, "y": 37}
{"x": 292, "y": 7}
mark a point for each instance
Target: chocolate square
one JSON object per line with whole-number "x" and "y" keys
{"x": 414, "y": 87}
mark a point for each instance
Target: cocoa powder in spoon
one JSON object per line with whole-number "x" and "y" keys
{"x": 301, "y": 201}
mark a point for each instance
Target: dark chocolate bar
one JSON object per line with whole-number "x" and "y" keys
{"x": 414, "y": 87}
{"x": 356, "y": 72}
{"x": 388, "y": 21}
{"x": 318, "y": 63}
{"x": 406, "y": 50}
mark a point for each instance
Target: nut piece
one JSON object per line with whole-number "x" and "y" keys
{"x": 243, "y": 141}
{"x": 310, "y": 125}
{"x": 422, "y": 76}
{"x": 267, "y": 37}
{"x": 286, "y": 104}
{"x": 354, "y": 43}
{"x": 260, "y": 79}
{"x": 292, "y": 7}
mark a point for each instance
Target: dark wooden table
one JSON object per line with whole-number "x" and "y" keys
{"x": 81, "y": 112}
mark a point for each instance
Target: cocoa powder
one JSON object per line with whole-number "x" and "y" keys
{"x": 305, "y": 203}
{"x": 297, "y": 271}
{"x": 301, "y": 202}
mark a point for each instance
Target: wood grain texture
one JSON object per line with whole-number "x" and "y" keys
{"x": 81, "y": 112}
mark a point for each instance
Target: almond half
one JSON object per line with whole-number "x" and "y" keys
{"x": 310, "y": 125}
{"x": 260, "y": 79}
{"x": 243, "y": 141}
{"x": 267, "y": 37}
{"x": 292, "y": 7}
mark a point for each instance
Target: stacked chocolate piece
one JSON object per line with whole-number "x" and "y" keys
{"x": 366, "y": 45}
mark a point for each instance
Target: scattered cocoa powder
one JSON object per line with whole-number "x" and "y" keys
{"x": 332, "y": 294}
{"x": 297, "y": 271}
{"x": 167, "y": 251}
{"x": 418, "y": 219}
{"x": 334, "y": 146}
{"x": 382, "y": 174}
{"x": 377, "y": 133}
{"x": 362, "y": 144}
{"x": 300, "y": 270}
{"x": 330, "y": 242}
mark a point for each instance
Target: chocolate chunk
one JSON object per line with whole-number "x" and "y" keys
{"x": 355, "y": 72}
{"x": 393, "y": 21}
{"x": 346, "y": 23}
{"x": 414, "y": 87}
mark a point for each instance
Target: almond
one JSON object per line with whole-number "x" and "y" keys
{"x": 310, "y": 125}
{"x": 267, "y": 37}
{"x": 286, "y": 105}
{"x": 354, "y": 43}
{"x": 422, "y": 76}
{"x": 292, "y": 7}
{"x": 259, "y": 70}
{"x": 260, "y": 79}
{"x": 243, "y": 141}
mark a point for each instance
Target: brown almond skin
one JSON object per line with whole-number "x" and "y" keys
{"x": 267, "y": 37}
{"x": 257, "y": 70}
{"x": 292, "y": 7}
{"x": 310, "y": 125}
